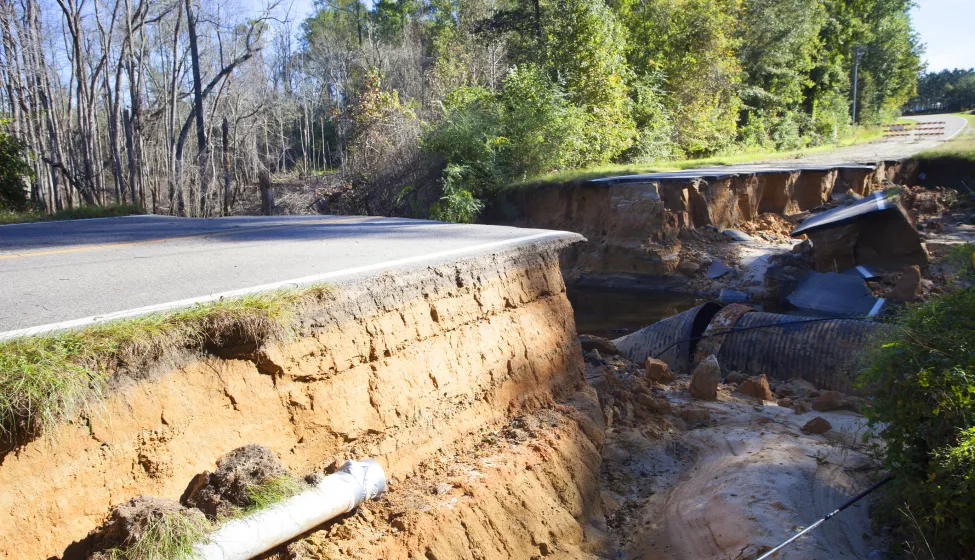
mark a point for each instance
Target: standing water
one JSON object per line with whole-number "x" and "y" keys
{"x": 612, "y": 313}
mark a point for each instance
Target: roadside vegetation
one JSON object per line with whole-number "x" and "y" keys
{"x": 429, "y": 108}
{"x": 171, "y": 535}
{"x": 959, "y": 149}
{"x": 79, "y": 213}
{"x": 49, "y": 378}
{"x": 921, "y": 377}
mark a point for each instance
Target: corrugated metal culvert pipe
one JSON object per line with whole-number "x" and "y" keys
{"x": 822, "y": 351}
{"x": 673, "y": 336}
{"x": 338, "y": 493}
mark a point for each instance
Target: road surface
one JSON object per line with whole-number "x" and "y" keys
{"x": 67, "y": 274}
{"x": 860, "y": 156}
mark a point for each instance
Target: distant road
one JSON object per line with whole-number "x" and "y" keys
{"x": 865, "y": 155}
{"x": 65, "y": 274}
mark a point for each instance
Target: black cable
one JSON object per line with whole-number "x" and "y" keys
{"x": 855, "y": 499}
{"x": 743, "y": 329}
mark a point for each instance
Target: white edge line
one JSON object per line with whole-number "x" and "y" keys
{"x": 294, "y": 282}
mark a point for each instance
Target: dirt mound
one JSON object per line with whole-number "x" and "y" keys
{"x": 224, "y": 492}
{"x": 770, "y": 227}
{"x": 139, "y": 517}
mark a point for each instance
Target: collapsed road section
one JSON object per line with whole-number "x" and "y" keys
{"x": 401, "y": 366}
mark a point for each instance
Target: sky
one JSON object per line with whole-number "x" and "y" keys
{"x": 947, "y": 28}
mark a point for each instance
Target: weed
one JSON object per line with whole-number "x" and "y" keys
{"x": 49, "y": 378}
{"x": 168, "y": 537}
{"x": 272, "y": 491}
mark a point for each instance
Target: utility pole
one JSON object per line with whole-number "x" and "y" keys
{"x": 858, "y": 52}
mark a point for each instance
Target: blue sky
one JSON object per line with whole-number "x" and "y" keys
{"x": 947, "y": 27}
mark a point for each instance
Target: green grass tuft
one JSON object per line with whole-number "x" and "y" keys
{"x": 82, "y": 212}
{"x": 862, "y": 135}
{"x": 169, "y": 537}
{"x": 47, "y": 379}
{"x": 961, "y": 148}
{"x": 272, "y": 491}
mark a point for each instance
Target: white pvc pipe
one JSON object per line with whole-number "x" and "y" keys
{"x": 241, "y": 539}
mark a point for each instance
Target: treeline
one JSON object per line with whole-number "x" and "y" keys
{"x": 423, "y": 107}
{"x": 948, "y": 91}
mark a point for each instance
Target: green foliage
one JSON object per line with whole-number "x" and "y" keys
{"x": 948, "y": 91}
{"x": 490, "y": 139}
{"x": 46, "y": 379}
{"x": 921, "y": 376}
{"x": 585, "y": 49}
{"x": 14, "y": 171}
{"x": 170, "y": 536}
{"x": 272, "y": 491}
{"x": 656, "y": 132}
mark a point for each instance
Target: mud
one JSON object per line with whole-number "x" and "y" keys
{"x": 222, "y": 493}
{"x": 400, "y": 368}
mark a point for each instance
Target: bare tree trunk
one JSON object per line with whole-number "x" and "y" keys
{"x": 226, "y": 167}
{"x": 267, "y": 192}
{"x": 201, "y": 136}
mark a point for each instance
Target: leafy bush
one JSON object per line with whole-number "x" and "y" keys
{"x": 13, "y": 170}
{"x": 922, "y": 379}
{"x": 655, "y": 137}
{"x": 489, "y": 139}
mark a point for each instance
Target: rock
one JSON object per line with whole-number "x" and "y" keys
{"x": 834, "y": 400}
{"x": 785, "y": 403}
{"x": 727, "y": 295}
{"x": 222, "y": 493}
{"x": 797, "y": 388}
{"x": 736, "y": 377}
{"x": 689, "y": 268}
{"x": 717, "y": 269}
{"x": 602, "y": 346}
{"x": 705, "y": 379}
{"x": 696, "y": 417}
{"x": 801, "y": 407}
{"x": 908, "y": 287}
{"x": 654, "y": 404}
{"x": 658, "y": 371}
{"x": 737, "y": 235}
{"x": 129, "y": 521}
{"x": 756, "y": 386}
{"x": 817, "y": 425}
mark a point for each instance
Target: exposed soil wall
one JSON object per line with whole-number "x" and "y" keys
{"x": 633, "y": 228}
{"x": 399, "y": 368}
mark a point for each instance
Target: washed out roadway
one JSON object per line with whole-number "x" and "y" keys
{"x": 59, "y": 275}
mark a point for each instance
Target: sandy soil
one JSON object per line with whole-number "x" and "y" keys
{"x": 738, "y": 484}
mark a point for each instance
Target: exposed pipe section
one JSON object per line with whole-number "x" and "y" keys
{"x": 338, "y": 493}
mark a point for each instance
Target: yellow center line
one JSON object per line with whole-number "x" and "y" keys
{"x": 179, "y": 238}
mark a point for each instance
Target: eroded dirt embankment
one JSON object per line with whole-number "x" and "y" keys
{"x": 404, "y": 368}
{"x": 635, "y": 228}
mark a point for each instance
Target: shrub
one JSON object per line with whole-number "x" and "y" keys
{"x": 922, "y": 379}
{"x": 14, "y": 169}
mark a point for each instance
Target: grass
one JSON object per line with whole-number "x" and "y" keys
{"x": 47, "y": 379}
{"x": 862, "y": 135}
{"x": 80, "y": 213}
{"x": 960, "y": 148}
{"x": 272, "y": 491}
{"x": 168, "y": 537}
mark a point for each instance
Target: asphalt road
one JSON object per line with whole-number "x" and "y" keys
{"x": 859, "y": 156}
{"x": 67, "y": 274}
